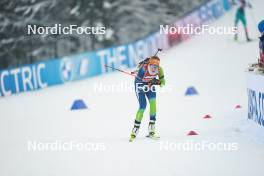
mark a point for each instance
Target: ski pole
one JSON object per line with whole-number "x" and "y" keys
{"x": 122, "y": 71}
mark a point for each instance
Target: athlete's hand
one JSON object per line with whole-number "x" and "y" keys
{"x": 154, "y": 82}
{"x": 134, "y": 72}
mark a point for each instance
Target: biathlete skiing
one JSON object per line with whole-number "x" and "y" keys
{"x": 241, "y": 16}
{"x": 148, "y": 75}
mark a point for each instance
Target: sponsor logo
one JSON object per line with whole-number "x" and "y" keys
{"x": 26, "y": 78}
{"x": 256, "y": 106}
{"x": 66, "y": 69}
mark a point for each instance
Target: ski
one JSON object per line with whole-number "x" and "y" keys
{"x": 153, "y": 137}
{"x": 132, "y": 138}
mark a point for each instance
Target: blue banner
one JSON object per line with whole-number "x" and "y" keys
{"x": 256, "y": 106}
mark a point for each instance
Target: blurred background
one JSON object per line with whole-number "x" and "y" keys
{"x": 125, "y": 21}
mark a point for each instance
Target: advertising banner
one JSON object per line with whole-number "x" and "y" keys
{"x": 255, "y": 89}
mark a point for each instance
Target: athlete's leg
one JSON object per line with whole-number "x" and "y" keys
{"x": 244, "y": 22}
{"x": 142, "y": 106}
{"x": 152, "y": 114}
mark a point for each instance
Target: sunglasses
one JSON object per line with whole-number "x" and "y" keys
{"x": 153, "y": 66}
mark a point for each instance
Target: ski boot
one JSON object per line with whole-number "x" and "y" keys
{"x": 151, "y": 129}
{"x": 134, "y": 131}
{"x": 236, "y": 37}
{"x": 249, "y": 39}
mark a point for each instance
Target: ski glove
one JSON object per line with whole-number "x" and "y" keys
{"x": 154, "y": 82}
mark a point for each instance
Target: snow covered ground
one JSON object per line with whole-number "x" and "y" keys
{"x": 214, "y": 65}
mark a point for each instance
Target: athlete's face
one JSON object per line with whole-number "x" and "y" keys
{"x": 153, "y": 69}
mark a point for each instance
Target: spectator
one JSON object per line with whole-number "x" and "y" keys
{"x": 261, "y": 42}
